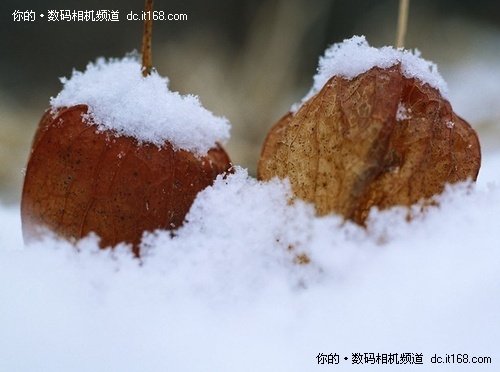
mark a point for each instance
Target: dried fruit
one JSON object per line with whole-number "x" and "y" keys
{"x": 79, "y": 181}
{"x": 119, "y": 154}
{"x": 378, "y": 139}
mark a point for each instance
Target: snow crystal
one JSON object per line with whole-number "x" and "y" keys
{"x": 354, "y": 56}
{"x": 403, "y": 112}
{"x": 120, "y": 99}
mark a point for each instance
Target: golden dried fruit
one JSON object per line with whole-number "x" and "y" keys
{"x": 380, "y": 139}
{"x": 79, "y": 180}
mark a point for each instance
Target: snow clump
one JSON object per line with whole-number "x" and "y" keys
{"x": 355, "y": 56}
{"x": 121, "y": 100}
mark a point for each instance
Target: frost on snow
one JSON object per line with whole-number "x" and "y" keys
{"x": 120, "y": 99}
{"x": 354, "y": 56}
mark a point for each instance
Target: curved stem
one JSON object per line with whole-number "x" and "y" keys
{"x": 402, "y": 23}
{"x": 146, "y": 38}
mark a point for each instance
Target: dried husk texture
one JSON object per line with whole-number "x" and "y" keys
{"x": 79, "y": 181}
{"x": 380, "y": 139}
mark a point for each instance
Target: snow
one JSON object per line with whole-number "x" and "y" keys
{"x": 225, "y": 294}
{"x": 403, "y": 112}
{"x": 355, "y": 56}
{"x": 120, "y": 99}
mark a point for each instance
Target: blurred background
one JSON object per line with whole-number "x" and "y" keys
{"x": 247, "y": 60}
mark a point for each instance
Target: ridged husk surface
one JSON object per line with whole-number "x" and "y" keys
{"x": 380, "y": 139}
{"x": 79, "y": 181}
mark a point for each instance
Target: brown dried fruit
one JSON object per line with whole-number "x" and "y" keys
{"x": 380, "y": 139}
{"x": 79, "y": 181}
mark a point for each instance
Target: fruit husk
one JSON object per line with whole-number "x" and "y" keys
{"x": 346, "y": 150}
{"x": 81, "y": 180}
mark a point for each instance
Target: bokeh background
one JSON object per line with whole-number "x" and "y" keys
{"x": 247, "y": 60}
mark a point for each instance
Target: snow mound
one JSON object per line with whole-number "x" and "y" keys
{"x": 355, "y": 56}
{"x": 120, "y": 99}
{"x": 225, "y": 292}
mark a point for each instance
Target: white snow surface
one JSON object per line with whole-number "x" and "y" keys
{"x": 224, "y": 294}
{"x": 355, "y": 56}
{"x": 120, "y": 99}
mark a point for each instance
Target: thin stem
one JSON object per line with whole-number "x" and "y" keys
{"x": 404, "y": 5}
{"x": 146, "y": 38}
